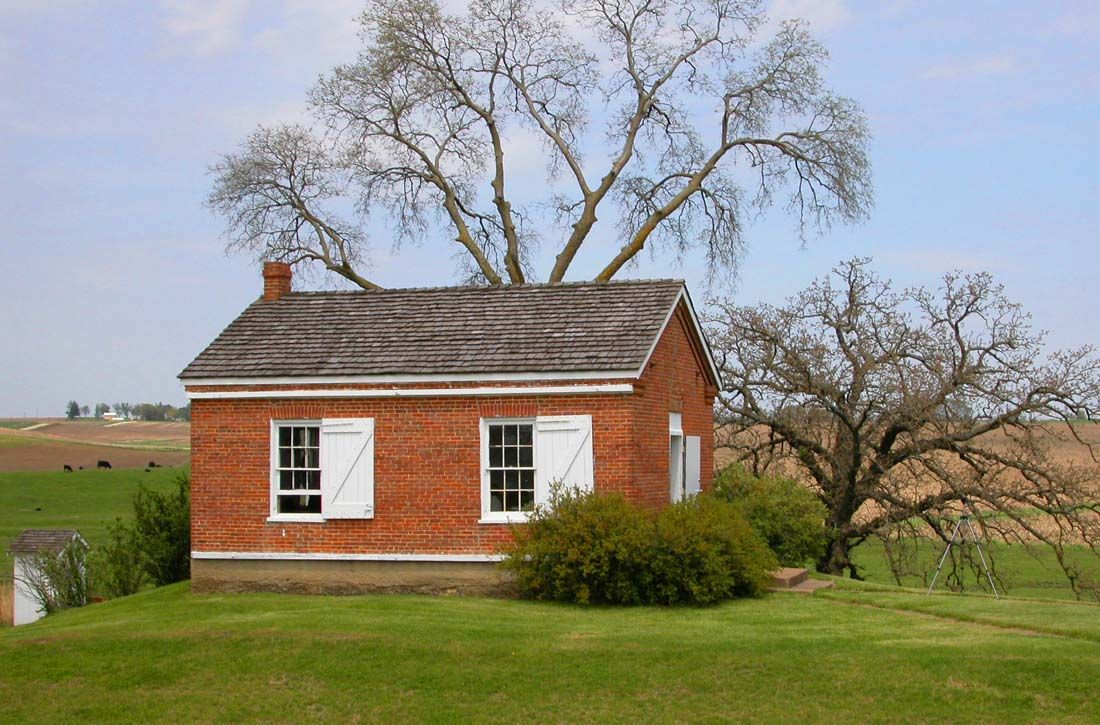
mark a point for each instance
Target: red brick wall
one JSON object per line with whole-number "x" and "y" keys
{"x": 675, "y": 381}
{"x": 427, "y": 490}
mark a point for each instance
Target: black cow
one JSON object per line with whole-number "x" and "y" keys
{"x": 154, "y": 464}
{"x": 103, "y": 464}
{"x": 68, "y": 468}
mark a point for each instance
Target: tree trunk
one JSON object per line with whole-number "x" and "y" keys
{"x": 837, "y": 557}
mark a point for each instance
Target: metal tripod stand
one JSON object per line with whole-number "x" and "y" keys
{"x": 957, "y": 534}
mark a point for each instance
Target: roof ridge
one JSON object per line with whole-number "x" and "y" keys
{"x": 496, "y": 288}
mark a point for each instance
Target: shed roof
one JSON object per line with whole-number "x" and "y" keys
{"x": 569, "y": 327}
{"x": 32, "y": 541}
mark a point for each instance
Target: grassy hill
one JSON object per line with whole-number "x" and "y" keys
{"x": 84, "y": 500}
{"x": 852, "y": 655}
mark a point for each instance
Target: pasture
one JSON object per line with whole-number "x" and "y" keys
{"x": 50, "y": 444}
{"x": 850, "y": 655}
{"x": 84, "y": 500}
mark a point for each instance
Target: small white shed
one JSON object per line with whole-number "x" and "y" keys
{"x": 25, "y": 607}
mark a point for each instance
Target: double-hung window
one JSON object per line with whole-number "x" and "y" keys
{"x": 523, "y": 458}
{"x": 322, "y": 469}
{"x": 297, "y": 468}
{"x": 511, "y": 466}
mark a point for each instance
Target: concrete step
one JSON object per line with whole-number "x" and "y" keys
{"x": 788, "y": 577}
{"x": 811, "y": 585}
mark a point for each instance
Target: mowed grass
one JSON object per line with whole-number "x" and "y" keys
{"x": 1025, "y": 573}
{"x": 83, "y": 500}
{"x": 168, "y": 654}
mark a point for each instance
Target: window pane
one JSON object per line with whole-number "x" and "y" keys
{"x": 496, "y": 456}
{"x": 496, "y": 480}
{"x": 286, "y": 480}
{"x": 298, "y": 435}
{"x": 527, "y": 480}
{"x": 511, "y": 457}
{"x": 525, "y": 435}
{"x": 527, "y": 500}
{"x": 299, "y": 480}
{"x": 284, "y": 436}
{"x": 511, "y": 480}
{"x": 496, "y": 502}
{"x": 526, "y": 457}
{"x": 496, "y": 435}
{"x": 313, "y": 480}
{"x": 511, "y": 501}
{"x": 313, "y": 435}
{"x": 284, "y": 458}
{"x": 313, "y": 458}
{"x": 511, "y": 435}
{"x": 299, "y": 504}
{"x": 299, "y": 458}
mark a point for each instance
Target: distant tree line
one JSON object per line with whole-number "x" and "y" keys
{"x": 134, "y": 411}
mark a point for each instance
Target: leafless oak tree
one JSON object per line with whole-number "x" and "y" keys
{"x": 905, "y": 408}
{"x": 703, "y": 124}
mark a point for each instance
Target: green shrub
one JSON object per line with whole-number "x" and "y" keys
{"x": 58, "y": 580}
{"x": 116, "y": 568}
{"x": 599, "y": 548}
{"x": 785, "y": 513}
{"x": 707, "y": 552}
{"x": 155, "y": 546}
{"x": 585, "y": 548}
{"x": 162, "y": 525}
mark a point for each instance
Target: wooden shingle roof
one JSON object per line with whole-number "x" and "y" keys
{"x": 32, "y": 541}
{"x": 533, "y": 328}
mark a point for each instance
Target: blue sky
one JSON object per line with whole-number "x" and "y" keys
{"x": 985, "y": 118}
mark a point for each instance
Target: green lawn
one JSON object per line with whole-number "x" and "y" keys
{"x": 84, "y": 500}
{"x": 849, "y": 656}
{"x": 1024, "y": 575}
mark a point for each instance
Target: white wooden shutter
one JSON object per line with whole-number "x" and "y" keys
{"x": 691, "y": 465}
{"x": 347, "y": 468}
{"x": 563, "y": 453}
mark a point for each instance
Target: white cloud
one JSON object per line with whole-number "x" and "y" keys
{"x": 208, "y": 27}
{"x": 961, "y": 69}
{"x": 822, "y": 15}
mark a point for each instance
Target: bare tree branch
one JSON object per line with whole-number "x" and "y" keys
{"x": 904, "y": 408}
{"x": 422, "y": 126}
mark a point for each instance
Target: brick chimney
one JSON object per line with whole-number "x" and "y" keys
{"x": 277, "y": 277}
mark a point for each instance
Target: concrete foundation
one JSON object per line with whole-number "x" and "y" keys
{"x": 348, "y": 577}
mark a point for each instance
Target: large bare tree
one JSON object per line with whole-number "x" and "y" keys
{"x": 698, "y": 123}
{"x": 904, "y": 409}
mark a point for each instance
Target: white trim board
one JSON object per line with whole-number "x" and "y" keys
{"x": 415, "y": 379}
{"x": 319, "y": 556}
{"x": 610, "y": 388}
{"x": 683, "y": 295}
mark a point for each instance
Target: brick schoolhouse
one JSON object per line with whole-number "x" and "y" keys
{"x": 357, "y": 441}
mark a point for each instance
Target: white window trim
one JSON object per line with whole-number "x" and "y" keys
{"x": 504, "y": 517}
{"x": 677, "y": 489}
{"x": 273, "y": 464}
